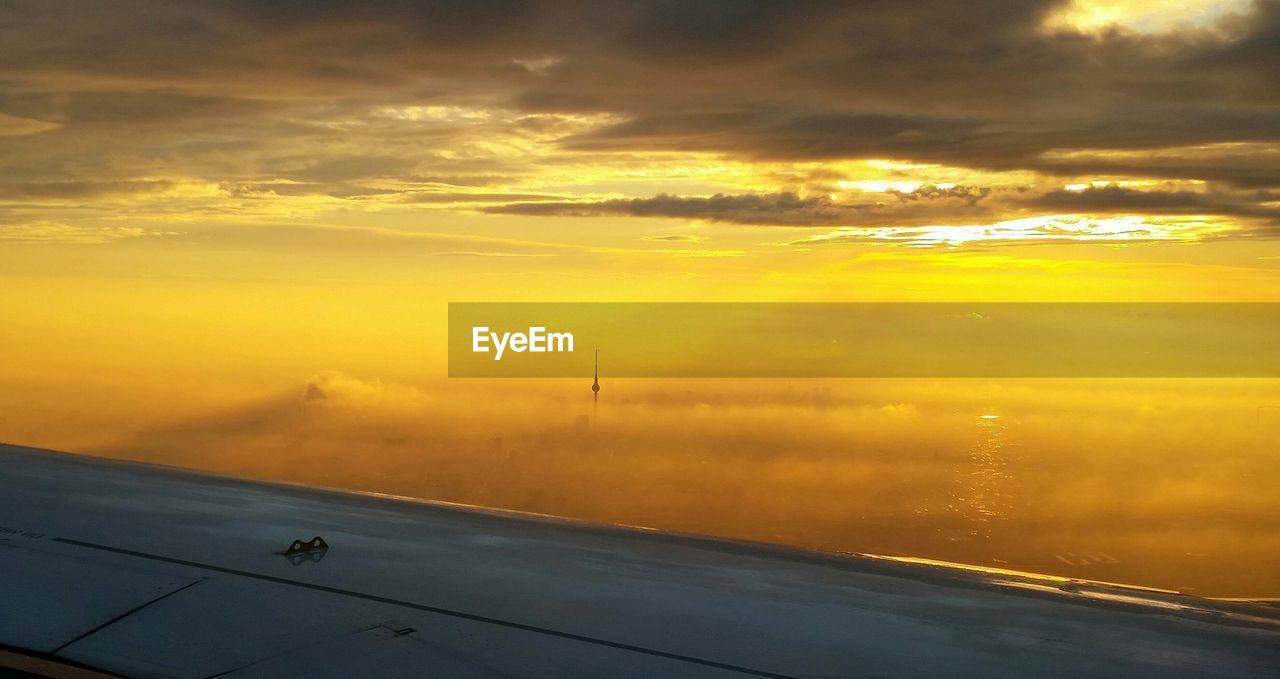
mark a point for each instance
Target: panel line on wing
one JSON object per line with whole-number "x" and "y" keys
{"x": 85, "y": 635}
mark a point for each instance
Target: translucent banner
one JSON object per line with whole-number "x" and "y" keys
{"x": 864, "y": 339}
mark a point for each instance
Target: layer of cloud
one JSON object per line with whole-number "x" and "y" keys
{"x": 676, "y": 238}
{"x": 537, "y": 100}
{"x": 1122, "y": 200}
{"x": 775, "y": 209}
{"x": 927, "y": 213}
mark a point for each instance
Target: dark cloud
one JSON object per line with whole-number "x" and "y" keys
{"x": 1258, "y": 52}
{"x": 969, "y": 194}
{"x": 927, "y": 205}
{"x": 775, "y": 209}
{"x": 676, "y": 238}
{"x": 1122, "y": 200}
{"x": 970, "y": 142}
{"x": 255, "y": 92}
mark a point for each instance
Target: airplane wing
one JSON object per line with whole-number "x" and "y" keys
{"x": 110, "y": 568}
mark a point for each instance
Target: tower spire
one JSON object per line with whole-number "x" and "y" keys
{"x": 595, "y": 386}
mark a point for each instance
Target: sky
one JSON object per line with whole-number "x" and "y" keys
{"x": 207, "y": 206}
{"x": 186, "y": 160}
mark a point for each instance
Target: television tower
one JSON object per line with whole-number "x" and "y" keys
{"x": 595, "y": 386}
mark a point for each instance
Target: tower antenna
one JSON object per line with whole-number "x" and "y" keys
{"x": 595, "y": 386}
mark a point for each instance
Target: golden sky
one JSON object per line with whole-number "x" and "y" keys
{"x": 212, "y": 210}
{"x": 280, "y": 189}
{"x": 272, "y": 186}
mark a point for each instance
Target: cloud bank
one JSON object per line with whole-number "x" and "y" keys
{"x": 238, "y": 104}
